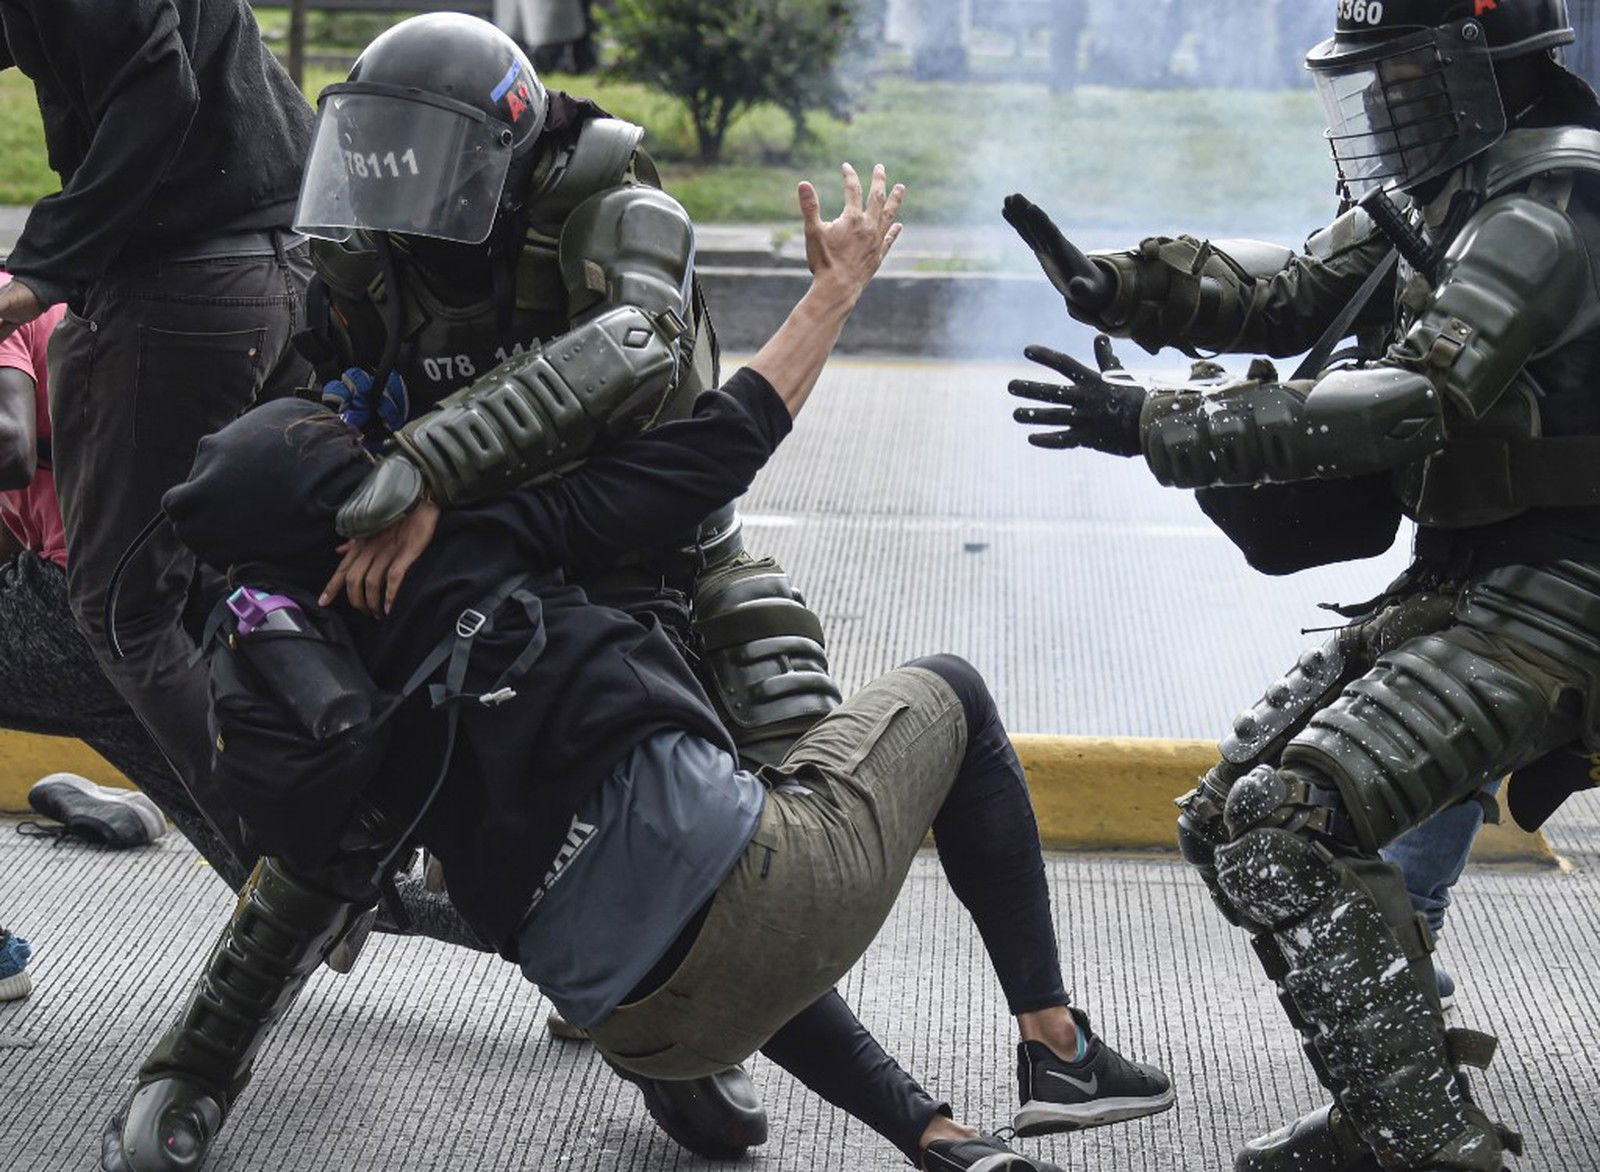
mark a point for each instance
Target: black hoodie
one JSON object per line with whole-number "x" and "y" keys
{"x": 266, "y": 489}
{"x": 167, "y": 121}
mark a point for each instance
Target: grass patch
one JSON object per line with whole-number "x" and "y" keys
{"x": 1203, "y": 159}
{"x": 1206, "y": 160}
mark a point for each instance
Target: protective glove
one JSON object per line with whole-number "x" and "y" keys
{"x": 350, "y": 397}
{"x": 1087, "y": 287}
{"x": 1099, "y": 410}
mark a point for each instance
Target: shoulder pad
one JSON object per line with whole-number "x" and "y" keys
{"x": 1523, "y": 154}
{"x": 630, "y": 245}
{"x": 1353, "y": 228}
{"x": 348, "y": 268}
{"x": 598, "y": 159}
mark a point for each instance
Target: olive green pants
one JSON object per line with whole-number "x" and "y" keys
{"x": 845, "y": 814}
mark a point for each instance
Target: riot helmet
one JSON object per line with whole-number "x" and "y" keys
{"x": 421, "y": 138}
{"x": 1409, "y": 86}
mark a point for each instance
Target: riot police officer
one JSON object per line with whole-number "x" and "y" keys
{"x": 1470, "y": 164}
{"x": 498, "y": 277}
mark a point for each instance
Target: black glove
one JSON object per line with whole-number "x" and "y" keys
{"x": 1087, "y": 287}
{"x": 1099, "y": 410}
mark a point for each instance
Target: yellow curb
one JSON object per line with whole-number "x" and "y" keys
{"x": 1090, "y": 793}
{"x": 1094, "y": 793}
{"x": 25, "y": 758}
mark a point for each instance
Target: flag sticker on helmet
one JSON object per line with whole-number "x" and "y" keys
{"x": 1483, "y": 6}
{"x": 506, "y": 82}
{"x": 515, "y": 93}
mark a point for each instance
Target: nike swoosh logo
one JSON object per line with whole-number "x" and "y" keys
{"x": 1088, "y": 1088}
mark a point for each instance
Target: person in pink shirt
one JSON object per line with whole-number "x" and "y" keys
{"x": 28, "y": 505}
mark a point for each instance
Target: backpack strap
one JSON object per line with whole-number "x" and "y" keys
{"x": 455, "y": 650}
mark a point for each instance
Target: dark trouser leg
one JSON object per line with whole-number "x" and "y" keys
{"x": 988, "y": 845}
{"x": 51, "y": 683}
{"x": 1423, "y": 729}
{"x": 163, "y": 356}
{"x": 828, "y": 1049}
{"x": 198, "y": 1068}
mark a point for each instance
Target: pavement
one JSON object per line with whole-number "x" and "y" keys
{"x": 916, "y": 518}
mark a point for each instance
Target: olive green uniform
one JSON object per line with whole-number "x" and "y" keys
{"x": 1478, "y": 419}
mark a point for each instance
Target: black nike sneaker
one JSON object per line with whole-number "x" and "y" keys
{"x": 986, "y": 1153}
{"x": 1104, "y": 1087}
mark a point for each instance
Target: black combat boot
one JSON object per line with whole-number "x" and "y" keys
{"x": 1325, "y": 1141}
{"x": 279, "y": 933}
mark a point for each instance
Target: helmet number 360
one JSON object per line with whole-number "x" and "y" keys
{"x": 1362, "y": 11}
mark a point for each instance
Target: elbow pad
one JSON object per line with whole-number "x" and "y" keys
{"x": 630, "y": 245}
{"x": 1351, "y": 423}
{"x": 526, "y": 419}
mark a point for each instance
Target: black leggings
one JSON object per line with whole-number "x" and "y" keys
{"x": 989, "y": 847}
{"x": 827, "y": 1048}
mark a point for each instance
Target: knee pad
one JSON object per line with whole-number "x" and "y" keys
{"x": 1275, "y": 876}
{"x": 1259, "y": 797}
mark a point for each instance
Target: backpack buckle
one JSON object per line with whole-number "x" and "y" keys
{"x": 470, "y": 623}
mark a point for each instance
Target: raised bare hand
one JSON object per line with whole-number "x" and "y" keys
{"x": 844, "y": 253}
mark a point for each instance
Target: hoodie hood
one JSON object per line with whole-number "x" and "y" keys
{"x": 267, "y": 487}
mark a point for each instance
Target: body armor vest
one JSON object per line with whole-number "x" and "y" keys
{"x": 1538, "y": 445}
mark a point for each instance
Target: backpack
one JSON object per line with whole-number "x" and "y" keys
{"x": 299, "y": 728}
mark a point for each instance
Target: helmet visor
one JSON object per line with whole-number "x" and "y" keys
{"x": 1407, "y": 110}
{"x": 390, "y": 159}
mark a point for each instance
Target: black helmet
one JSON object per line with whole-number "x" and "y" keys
{"x": 421, "y": 137}
{"x": 1409, "y": 85}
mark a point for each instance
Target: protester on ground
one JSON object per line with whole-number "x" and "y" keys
{"x": 732, "y": 902}
{"x": 450, "y": 290}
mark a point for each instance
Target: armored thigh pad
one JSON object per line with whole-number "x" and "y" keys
{"x": 762, "y": 656}
{"x": 1426, "y": 727}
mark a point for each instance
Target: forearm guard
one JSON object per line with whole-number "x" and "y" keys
{"x": 1178, "y": 291}
{"x": 1351, "y": 423}
{"x": 526, "y": 419}
{"x": 1238, "y": 296}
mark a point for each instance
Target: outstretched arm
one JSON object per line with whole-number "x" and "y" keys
{"x": 843, "y": 254}
{"x": 664, "y": 479}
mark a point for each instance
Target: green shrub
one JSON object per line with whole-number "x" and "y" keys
{"x": 721, "y": 60}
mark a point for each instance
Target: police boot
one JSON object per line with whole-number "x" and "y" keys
{"x": 279, "y": 933}
{"x": 1323, "y": 1141}
{"x": 717, "y": 1117}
